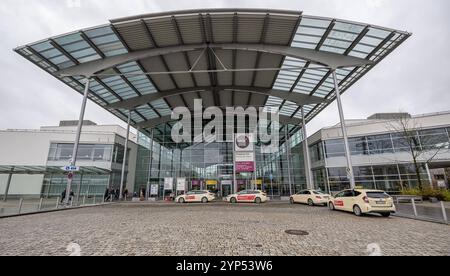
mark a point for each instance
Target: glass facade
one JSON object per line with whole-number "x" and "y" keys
{"x": 393, "y": 177}
{"x": 210, "y": 166}
{"x": 88, "y": 185}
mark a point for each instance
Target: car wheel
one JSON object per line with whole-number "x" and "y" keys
{"x": 258, "y": 200}
{"x": 233, "y": 200}
{"x": 386, "y": 215}
{"x": 204, "y": 200}
{"x": 310, "y": 202}
{"x": 357, "y": 211}
{"x": 292, "y": 201}
{"x": 181, "y": 200}
{"x": 331, "y": 206}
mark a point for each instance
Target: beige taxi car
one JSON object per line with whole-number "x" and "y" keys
{"x": 310, "y": 197}
{"x": 196, "y": 196}
{"x": 362, "y": 201}
{"x": 248, "y": 196}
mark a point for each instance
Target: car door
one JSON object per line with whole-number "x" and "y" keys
{"x": 339, "y": 201}
{"x": 349, "y": 200}
{"x": 190, "y": 197}
{"x": 306, "y": 195}
{"x": 297, "y": 197}
{"x": 242, "y": 196}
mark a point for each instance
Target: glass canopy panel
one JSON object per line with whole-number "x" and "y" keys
{"x": 147, "y": 112}
{"x": 106, "y": 41}
{"x": 120, "y": 87}
{"x": 288, "y": 109}
{"x": 133, "y": 73}
{"x": 161, "y": 107}
{"x": 289, "y": 74}
{"x": 273, "y": 102}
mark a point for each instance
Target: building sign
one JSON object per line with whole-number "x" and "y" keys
{"x": 181, "y": 184}
{"x": 244, "y": 153}
{"x": 168, "y": 183}
{"x": 227, "y": 182}
{"x": 244, "y": 142}
{"x": 154, "y": 190}
{"x": 195, "y": 183}
{"x": 211, "y": 182}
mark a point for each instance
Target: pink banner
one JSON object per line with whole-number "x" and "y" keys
{"x": 245, "y": 167}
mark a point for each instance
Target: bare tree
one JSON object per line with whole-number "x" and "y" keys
{"x": 423, "y": 149}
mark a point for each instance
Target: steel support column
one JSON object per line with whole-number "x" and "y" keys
{"x": 150, "y": 164}
{"x": 306, "y": 155}
{"x": 8, "y": 184}
{"x": 288, "y": 158}
{"x": 125, "y": 153}
{"x": 77, "y": 138}
{"x": 350, "y": 173}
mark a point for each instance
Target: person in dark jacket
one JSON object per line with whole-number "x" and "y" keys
{"x": 63, "y": 196}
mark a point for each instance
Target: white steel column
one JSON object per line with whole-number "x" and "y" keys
{"x": 288, "y": 157}
{"x": 344, "y": 132}
{"x": 125, "y": 153}
{"x": 306, "y": 155}
{"x": 150, "y": 165}
{"x": 77, "y": 138}
{"x": 8, "y": 184}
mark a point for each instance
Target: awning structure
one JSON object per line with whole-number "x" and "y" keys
{"x": 153, "y": 63}
{"x": 33, "y": 170}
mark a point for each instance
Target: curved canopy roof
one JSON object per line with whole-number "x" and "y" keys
{"x": 228, "y": 57}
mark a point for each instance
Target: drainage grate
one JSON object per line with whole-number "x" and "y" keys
{"x": 297, "y": 232}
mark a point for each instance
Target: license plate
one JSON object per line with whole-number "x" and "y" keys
{"x": 381, "y": 202}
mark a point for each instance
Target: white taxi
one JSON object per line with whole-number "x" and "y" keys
{"x": 248, "y": 196}
{"x": 196, "y": 196}
{"x": 310, "y": 197}
{"x": 362, "y": 201}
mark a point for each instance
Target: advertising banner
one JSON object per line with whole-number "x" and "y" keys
{"x": 181, "y": 184}
{"x": 168, "y": 183}
{"x": 154, "y": 190}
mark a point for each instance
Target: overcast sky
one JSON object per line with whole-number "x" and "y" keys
{"x": 415, "y": 78}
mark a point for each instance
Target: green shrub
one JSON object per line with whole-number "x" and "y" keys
{"x": 428, "y": 192}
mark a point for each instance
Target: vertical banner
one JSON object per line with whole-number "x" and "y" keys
{"x": 181, "y": 184}
{"x": 168, "y": 183}
{"x": 154, "y": 190}
{"x": 244, "y": 153}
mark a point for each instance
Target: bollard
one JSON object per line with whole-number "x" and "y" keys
{"x": 444, "y": 214}
{"x": 93, "y": 201}
{"x": 414, "y": 206}
{"x": 84, "y": 200}
{"x": 20, "y": 205}
{"x": 103, "y": 201}
{"x": 111, "y": 200}
{"x": 57, "y": 202}
{"x": 40, "y": 204}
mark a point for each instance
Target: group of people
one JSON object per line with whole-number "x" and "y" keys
{"x": 63, "y": 196}
{"x": 114, "y": 194}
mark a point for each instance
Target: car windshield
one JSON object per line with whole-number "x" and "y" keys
{"x": 377, "y": 195}
{"x": 318, "y": 193}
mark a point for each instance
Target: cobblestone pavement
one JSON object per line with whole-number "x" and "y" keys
{"x": 217, "y": 229}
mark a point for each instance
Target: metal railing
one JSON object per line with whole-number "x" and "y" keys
{"x": 22, "y": 206}
{"x": 416, "y": 208}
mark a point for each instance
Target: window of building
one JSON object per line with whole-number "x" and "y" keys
{"x": 316, "y": 152}
{"x": 380, "y": 144}
{"x": 434, "y": 139}
{"x": 86, "y": 152}
{"x": 358, "y": 146}
{"x": 334, "y": 148}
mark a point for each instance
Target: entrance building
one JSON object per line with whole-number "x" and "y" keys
{"x": 142, "y": 68}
